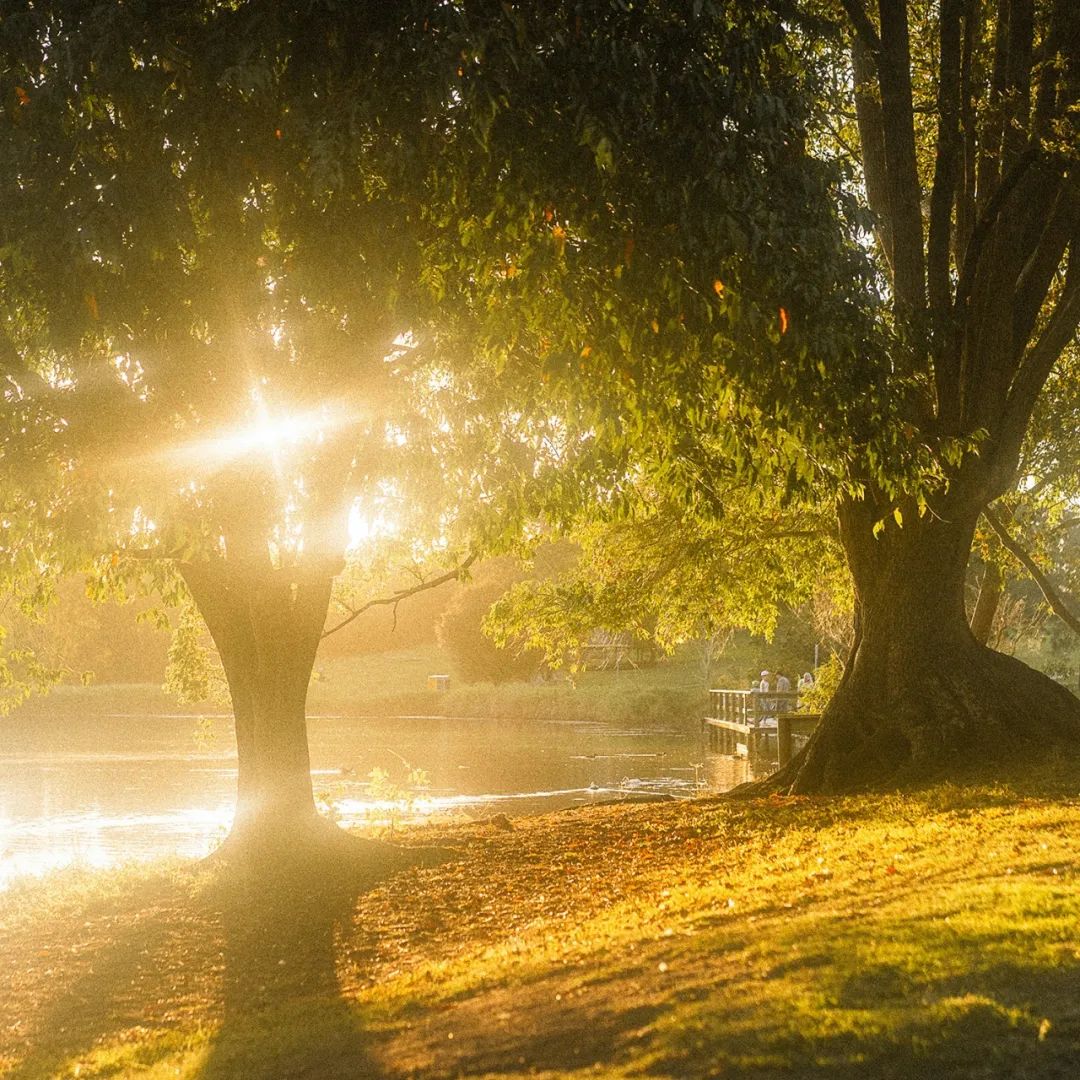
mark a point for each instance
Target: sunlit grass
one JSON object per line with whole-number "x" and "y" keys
{"x": 894, "y": 936}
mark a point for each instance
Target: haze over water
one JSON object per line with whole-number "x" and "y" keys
{"x": 106, "y": 789}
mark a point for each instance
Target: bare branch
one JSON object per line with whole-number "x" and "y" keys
{"x": 1058, "y": 228}
{"x": 1040, "y": 358}
{"x": 1050, "y": 594}
{"x": 395, "y": 598}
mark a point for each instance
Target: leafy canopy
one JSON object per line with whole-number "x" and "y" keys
{"x": 264, "y": 266}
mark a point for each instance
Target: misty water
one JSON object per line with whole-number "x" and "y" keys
{"x": 106, "y": 789}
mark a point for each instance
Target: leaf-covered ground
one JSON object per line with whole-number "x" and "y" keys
{"x": 926, "y": 935}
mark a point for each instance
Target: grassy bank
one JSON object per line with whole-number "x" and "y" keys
{"x": 395, "y": 684}
{"x": 924, "y": 935}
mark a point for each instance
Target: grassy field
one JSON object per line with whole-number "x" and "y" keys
{"x": 925, "y": 935}
{"x": 395, "y": 684}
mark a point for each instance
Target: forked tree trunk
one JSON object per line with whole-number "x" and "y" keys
{"x": 991, "y": 590}
{"x": 921, "y": 695}
{"x": 266, "y": 626}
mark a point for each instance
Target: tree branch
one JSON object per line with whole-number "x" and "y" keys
{"x": 1018, "y": 80}
{"x": 864, "y": 28}
{"x": 989, "y": 165}
{"x": 1035, "y": 367}
{"x": 987, "y": 220}
{"x": 872, "y": 141}
{"x": 395, "y": 598}
{"x": 1050, "y": 594}
{"x": 965, "y": 206}
{"x": 898, "y": 128}
{"x": 1060, "y": 226}
{"x": 942, "y": 197}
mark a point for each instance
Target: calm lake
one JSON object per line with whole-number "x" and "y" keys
{"x": 107, "y": 789}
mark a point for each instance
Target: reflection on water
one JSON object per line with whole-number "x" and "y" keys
{"x": 107, "y": 789}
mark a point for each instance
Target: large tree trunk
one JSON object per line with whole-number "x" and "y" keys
{"x": 266, "y": 626}
{"x": 921, "y": 696}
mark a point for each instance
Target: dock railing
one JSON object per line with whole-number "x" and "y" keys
{"x": 735, "y": 721}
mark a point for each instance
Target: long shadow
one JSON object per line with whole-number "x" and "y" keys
{"x": 283, "y": 1011}
{"x": 276, "y": 1002}
{"x": 1008, "y": 1021}
{"x": 103, "y": 995}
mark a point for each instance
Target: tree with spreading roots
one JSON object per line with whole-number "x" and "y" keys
{"x": 275, "y": 276}
{"x": 959, "y": 122}
{"x": 967, "y": 133}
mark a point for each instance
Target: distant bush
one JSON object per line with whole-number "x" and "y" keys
{"x": 475, "y": 656}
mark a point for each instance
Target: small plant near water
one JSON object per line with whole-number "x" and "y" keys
{"x": 401, "y": 796}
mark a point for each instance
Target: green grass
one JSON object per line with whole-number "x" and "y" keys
{"x": 395, "y": 684}
{"x": 148, "y": 698}
{"x": 934, "y": 934}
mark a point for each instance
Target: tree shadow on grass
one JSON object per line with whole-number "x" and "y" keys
{"x": 99, "y": 993}
{"x": 229, "y": 974}
{"x": 283, "y": 1011}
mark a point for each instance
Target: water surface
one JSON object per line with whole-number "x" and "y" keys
{"x": 106, "y": 789}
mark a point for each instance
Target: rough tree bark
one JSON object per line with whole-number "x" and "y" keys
{"x": 921, "y": 695}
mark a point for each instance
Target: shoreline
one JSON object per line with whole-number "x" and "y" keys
{"x": 928, "y": 933}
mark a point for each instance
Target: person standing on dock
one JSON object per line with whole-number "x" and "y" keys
{"x": 783, "y": 684}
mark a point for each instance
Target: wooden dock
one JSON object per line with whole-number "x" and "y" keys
{"x": 734, "y": 725}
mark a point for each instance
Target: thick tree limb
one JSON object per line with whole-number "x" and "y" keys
{"x": 1061, "y": 226}
{"x": 1037, "y": 363}
{"x": 868, "y": 117}
{"x": 942, "y": 197}
{"x": 987, "y": 220}
{"x": 1018, "y": 80}
{"x": 989, "y": 169}
{"x": 395, "y": 598}
{"x": 965, "y": 205}
{"x": 864, "y": 28}
{"x": 1047, "y": 69}
{"x": 898, "y": 128}
{"x": 1050, "y": 594}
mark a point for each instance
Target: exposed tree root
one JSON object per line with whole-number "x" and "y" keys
{"x": 313, "y": 847}
{"x": 948, "y": 712}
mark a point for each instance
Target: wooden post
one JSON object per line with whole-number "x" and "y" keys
{"x": 783, "y": 739}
